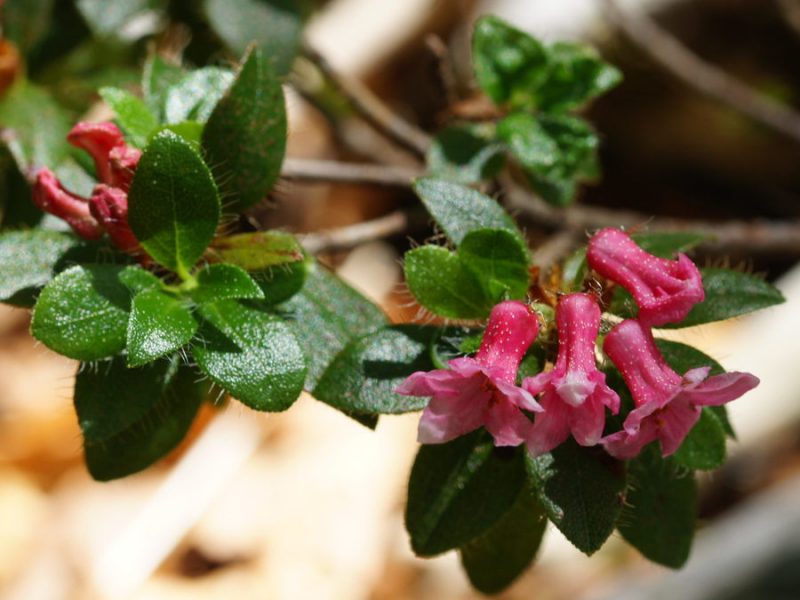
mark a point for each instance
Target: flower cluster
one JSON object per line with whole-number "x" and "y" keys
{"x": 106, "y": 211}
{"x": 573, "y": 396}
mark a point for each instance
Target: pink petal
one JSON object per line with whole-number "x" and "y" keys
{"x": 518, "y": 396}
{"x": 720, "y": 389}
{"x": 511, "y": 329}
{"x": 587, "y": 421}
{"x": 694, "y": 376}
{"x": 604, "y": 393}
{"x": 624, "y": 445}
{"x": 536, "y": 384}
{"x": 428, "y": 383}
{"x": 466, "y": 366}
{"x": 674, "y": 423}
{"x": 448, "y": 417}
{"x": 109, "y": 205}
{"x": 506, "y": 423}
{"x": 551, "y": 427}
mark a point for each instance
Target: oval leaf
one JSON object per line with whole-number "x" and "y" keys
{"x": 251, "y": 354}
{"x": 133, "y": 116}
{"x": 83, "y": 313}
{"x": 458, "y": 490}
{"x": 499, "y": 262}
{"x": 245, "y": 137}
{"x": 159, "y": 324}
{"x": 194, "y": 97}
{"x": 173, "y": 203}
{"x": 224, "y": 282}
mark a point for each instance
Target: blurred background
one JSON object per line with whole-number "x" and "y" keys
{"x": 308, "y": 504}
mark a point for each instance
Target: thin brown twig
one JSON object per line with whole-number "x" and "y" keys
{"x": 372, "y": 108}
{"x": 329, "y": 171}
{"x": 352, "y": 235}
{"x": 708, "y": 79}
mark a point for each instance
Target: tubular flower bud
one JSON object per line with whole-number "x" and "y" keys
{"x": 665, "y": 290}
{"x": 98, "y": 139}
{"x": 480, "y": 391}
{"x": 109, "y": 205}
{"x": 51, "y": 197}
{"x": 667, "y": 405}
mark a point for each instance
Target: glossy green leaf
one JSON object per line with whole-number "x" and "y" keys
{"x": 465, "y": 154}
{"x": 36, "y": 127}
{"x": 459, "y": 490}
{"x": 137, "y": 279}
{"x": 83, "y": 313}
{"x": 133, "y": 116}
{"x": 258, "y": 251}
{"x": 441, "y": 282}
{"x": 458, "y": 209}
{"x": 130, "y": 418}
{"x": 159, "y": 325}
{"x": 496, "y": 558}
{"x": 251, "y": 354}
{"x": 704, "y": 446}
{"x": 576, "y": 74}
{"x": 499, "y": 261}
{"x": 682, "y": 358}
{"x": 556, "y": 152}
{"x": 29, "y": 260}
{"x": 224, "y": 282}
{"x": 326, "y": 315}
{"x": 362, "y": 378}
{"x": 173, "y": 203}
{"x": 194, "y": 97}
{"x": 245, "y": 137}
{"x": 275, "y": 25}
{"x": 660, "y": 508}
{"x": 507, "y": 61}
{"x": 108, "y": 18}
{"x": 730, "y": 294}
{"x": 191, "y": 131}
{"x": 158, "y": 76}
{"x": 582, "y": 491}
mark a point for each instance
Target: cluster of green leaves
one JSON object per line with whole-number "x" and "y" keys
{"x": 535, "y": 87}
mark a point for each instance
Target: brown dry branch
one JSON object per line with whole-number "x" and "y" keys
{"x": 328, "y": 171}
{"x": 708, "y": 79}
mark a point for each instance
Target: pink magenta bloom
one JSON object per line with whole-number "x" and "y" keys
{"x": 665, "y": 290}
{"x": 480, "y": 391}
{"x": 574, "y": 394}
{"x": 667, "y": 405}
{"x": 107, "y": 209}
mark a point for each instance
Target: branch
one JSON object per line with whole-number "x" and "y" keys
{"x": 299, "y": 169}
{"x": 372, "y": 108}
{"x": 353, "y": 235}
{"x": 708, "y": 79}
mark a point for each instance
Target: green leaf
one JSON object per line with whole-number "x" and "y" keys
{"x": 258, "y": 251}
{"x": 507, "y": 61}
{"x": 326, "y": 316}
{"x": 83, "y": 313}
{"x": 496, "y": 558}
{"x": 659, "y": 515}
{"x": 458, "y": 209}
{"x": 457, "y": 491}
{"x": 441, "y": 282}
{"x": 130, "y": 418}
{"x": 275, "y": 25}
{"x": 363, "y": 376}
{"x": 36, "y": 126}
{"x": 28, "y": 261}
{"x": 107, "y": 18}
{"x": 245, "y": 137}
{"x": 158, "y": 77}
{"x": 730, "y": 294}
{"x": 194, "y": 97}
{"x": 173, "y": 203}
{"x": 575, "y": 75}
{"x": 465, "y": 154}
{"x": 137, "y": 279}
{"x": 251, "y": 354}
{"x": 704, "y": 446}
{"x": 582, "y": 491}
{"x": 668, "y": 244}
{"x": 682, "y": 358}
{"x": 554, "y": 151}
{"x": 498, "y": 260}
{"x": 133, "y": 116}
{"x": 159, "y": 325}
{"x": 224, "y": 282}
{"x": 191, "y": 131}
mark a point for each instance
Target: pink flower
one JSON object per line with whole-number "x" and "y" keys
{"x": 667, "y": 405}
{"x": 574, "y": 393}
{"x": 665, "y": 290}
{"x": 107, "y": 209}
{"x": 480, "y": 391}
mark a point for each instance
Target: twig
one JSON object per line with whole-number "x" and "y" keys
{"x": 353, "y": 235}
{"x": 556, "y": 247}
{"x": 372, "y": 108}
{"x": 299, "y": 169}
{"x": 702, "y": 76}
